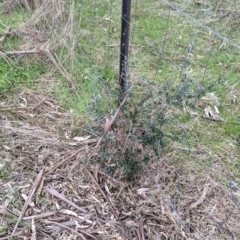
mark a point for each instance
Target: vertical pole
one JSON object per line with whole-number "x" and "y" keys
{"x": 124, "y": 45}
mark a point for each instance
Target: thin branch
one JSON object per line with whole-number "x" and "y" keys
{"x": 58, "y": 195}
{"x": 107, "y": 199}
{"x": 70, "y": 229}
{"x": 28, "y": 200}
{"x": 22, "y": 52}
{"x": 110, "y": 122}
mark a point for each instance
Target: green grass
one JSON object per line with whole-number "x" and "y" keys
{"x": 14, "y": 71}
{"x": 170, "y": 51}
{"x": 232, "y": 127}
{"x": 13, "y": 19}
{"x": 24, "y": 74}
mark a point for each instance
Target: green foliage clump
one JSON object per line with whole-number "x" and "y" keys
{"x": 147, "y": 125}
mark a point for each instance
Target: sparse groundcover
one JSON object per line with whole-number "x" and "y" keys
{"x": 164, "y": 165}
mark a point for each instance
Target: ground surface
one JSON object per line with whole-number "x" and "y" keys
{"x": 55, "y": 183}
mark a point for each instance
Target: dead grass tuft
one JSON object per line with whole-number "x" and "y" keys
{"x": 75, "y": 199}
{"x": 51, "y": 29}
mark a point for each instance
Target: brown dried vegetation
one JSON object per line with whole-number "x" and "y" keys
{"x": 54, "y": 187}
{"x": 76, "y": 200}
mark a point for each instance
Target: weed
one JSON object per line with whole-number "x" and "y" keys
{"x": 147, "y": 126}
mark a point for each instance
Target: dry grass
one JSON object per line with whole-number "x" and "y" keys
{"x": 50, "y": 29}
{"x": 74, "y": 199}
{"x": 54, "y": 186}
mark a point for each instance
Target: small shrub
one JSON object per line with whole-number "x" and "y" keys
{"x": 147, "y": 125}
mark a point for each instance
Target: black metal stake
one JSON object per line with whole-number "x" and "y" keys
{"x": 124, "y": 46}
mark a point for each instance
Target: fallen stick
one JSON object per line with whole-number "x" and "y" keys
{"x": 58, "y": 195}
{"x": 123, "y": 233}
{"x": 21, "y": 52}
{"x": 62, "y": 162}
{"x": 70, "y": 229}
{"x": 110, "y": 122}
{"x": 28, "y": 200}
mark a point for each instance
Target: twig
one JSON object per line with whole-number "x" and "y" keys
{"x": 21, "y": 52}
{"x": 174, "y": 211}
{"x": 62, "y": 162}
{"x": 202, "y": 197}
{"x": 18, "y": 234}
{"x": 80, "y": 235}
{"x": 110, "y": 122}
{"x": 107, "y": 199}
{"x": 36, "y": 105}
{"x": 25, "y": 2}
{"x": 56, "y": 194}
{"x": 95, "y": 181}
{"x": 28, "y": 200}
{"x": 40, "y": 216}
{"x": 7, "y": 59}
{"x": 13, "y": 109}
{"x": 59, "y": 67}
{"x": 219, "y": 17}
